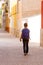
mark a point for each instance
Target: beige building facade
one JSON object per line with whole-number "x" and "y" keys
{"x": 23, "y": 9}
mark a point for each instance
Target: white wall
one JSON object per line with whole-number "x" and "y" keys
{"x": 34, "y": 24}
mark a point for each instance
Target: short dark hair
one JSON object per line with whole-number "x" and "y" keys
{"x": 25, "y": 24}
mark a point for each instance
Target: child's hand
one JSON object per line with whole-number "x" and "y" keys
{"x": 20, "y": 39}
{"x": 29, "y": 38}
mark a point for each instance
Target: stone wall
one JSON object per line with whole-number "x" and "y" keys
{"x": 30, "y": 7}
{"x": 16, "y": 14}
{"x": 41, "y": 37}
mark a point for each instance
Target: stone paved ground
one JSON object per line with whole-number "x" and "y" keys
{"x": 14, "y": 56}
{"x": 11, "y": 52}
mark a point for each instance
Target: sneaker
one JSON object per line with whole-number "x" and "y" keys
{"x": 25, "y": 54}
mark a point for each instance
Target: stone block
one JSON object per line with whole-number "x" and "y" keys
{"x": 41, "y": 37}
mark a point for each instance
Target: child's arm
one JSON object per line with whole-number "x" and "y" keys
{"x": 21, "y": 37}
{"x": 29, "y": 36}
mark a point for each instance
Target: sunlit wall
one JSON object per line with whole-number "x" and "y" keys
{"x": 34, "y": 24}
{"x": 13, "y": 15}
{"x": 12, "y": 4}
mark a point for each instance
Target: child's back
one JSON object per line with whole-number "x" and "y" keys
{"x": 25, "y": 33}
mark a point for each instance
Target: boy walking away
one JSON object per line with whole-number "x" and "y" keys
{"x": 25, "y": 37}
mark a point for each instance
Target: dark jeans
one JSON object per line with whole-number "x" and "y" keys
{"x": 25, "y": 45}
